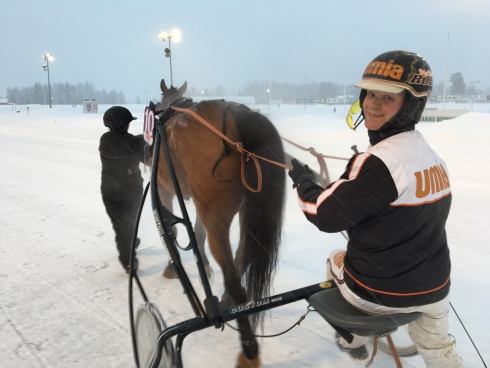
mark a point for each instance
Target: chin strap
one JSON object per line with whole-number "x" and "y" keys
{"x": 358, "y": 121}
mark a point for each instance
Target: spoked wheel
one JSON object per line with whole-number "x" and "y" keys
{"x": 148, "y": 325}
{"x": 403, "y": 345}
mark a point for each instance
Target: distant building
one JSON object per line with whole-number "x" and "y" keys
{"x": 246, "y": 100}
{"x": 341, "y": 99}
{"x": 460, "y": 98}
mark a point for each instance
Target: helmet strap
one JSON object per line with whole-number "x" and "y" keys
{"x": 358, "y": 121}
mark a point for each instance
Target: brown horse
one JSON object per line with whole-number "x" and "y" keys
{"x": 209, "y": 171}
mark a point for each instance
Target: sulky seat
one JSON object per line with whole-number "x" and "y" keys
{"x": 348, "y": 320}
{"x": 332, "y": 306}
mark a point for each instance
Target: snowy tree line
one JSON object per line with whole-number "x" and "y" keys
{"x": 279, "y": 91}
{"x": 323, "y": 90}
{"x": 68, "y": 94}
{"x": 63, "y": 94}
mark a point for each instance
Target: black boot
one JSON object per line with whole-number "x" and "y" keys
{"x": 135, "y": 266}
{"x": 357, "y": 354}
{"x": 125, "y": 263}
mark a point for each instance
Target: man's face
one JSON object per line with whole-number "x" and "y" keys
{"x": 379, "y": 107}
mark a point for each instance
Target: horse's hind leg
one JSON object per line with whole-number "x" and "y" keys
{"x": 200, "y": 234}
{"x": 241, "y": 266}
{"x": 219, "y": 244}
{"x": 240, "y": 262}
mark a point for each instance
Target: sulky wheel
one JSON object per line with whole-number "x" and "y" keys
{"x": 148, "y": 325}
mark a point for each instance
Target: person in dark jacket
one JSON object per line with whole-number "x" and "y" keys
{"x": 393, "y": 200}
{"x": 121, "y": 184}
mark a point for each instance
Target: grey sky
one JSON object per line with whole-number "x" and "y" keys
{"x": 115, "y": 44}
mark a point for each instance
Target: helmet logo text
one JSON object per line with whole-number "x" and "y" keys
{"x": 435, "y": 180}
{"x": 424, "y": 78}
{"x": 389, "y": 69}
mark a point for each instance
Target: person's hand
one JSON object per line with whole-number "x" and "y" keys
{"x": 300, "y": 173}
{"x": 148, "y": 154}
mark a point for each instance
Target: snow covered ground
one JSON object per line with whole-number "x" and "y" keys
{"x": 63, "y": 294}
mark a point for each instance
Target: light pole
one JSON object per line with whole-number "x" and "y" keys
{"x": 48, "y": 57}
{"x": 445, "y": 72}
{"x": 305, "y": 92}
{"x": 176, "y": 35}
{"x": 474, "y": 83}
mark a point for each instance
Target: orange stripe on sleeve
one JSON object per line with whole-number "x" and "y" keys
{"x": 357, "y": 165}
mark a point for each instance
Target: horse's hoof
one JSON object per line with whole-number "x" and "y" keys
{"x": 169, "y": 272}
{"x": 226, "y": 301}
{"x": 244, "y": 362}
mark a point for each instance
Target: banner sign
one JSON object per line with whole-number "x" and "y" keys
{"x": 90, "y": 107}
{"x": 437, "y": 115}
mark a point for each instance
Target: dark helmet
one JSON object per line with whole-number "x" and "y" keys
{"x": 118, "y": 118}
{"x": 395, "y": 71}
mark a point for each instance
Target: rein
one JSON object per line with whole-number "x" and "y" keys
{"x": 245, "y": 155}
{"x": 320, "y": 158}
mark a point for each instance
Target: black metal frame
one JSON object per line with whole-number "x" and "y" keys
{"x": 209, "y": 314}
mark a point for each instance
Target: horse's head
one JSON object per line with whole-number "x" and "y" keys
{"x": 170, "y": 95}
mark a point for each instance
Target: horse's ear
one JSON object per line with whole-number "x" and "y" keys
{"x": 163, "y": 86}
{"x": 183, "y": 88}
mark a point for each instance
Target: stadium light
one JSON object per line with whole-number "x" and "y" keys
{"x": 47, "y": 58}
{"x": 176, "y": 35}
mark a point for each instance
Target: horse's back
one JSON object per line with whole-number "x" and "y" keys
{"x": 205, "y": 167}
{"x": 210, "y": 167}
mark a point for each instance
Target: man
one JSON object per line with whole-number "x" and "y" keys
{"x": 122, "y": 184}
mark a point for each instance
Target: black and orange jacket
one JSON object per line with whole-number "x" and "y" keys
{"x": 393, "y": 200}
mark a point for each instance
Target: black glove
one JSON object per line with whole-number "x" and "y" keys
{"x": 300, "y": 173}
{"x": 148, "y": 153}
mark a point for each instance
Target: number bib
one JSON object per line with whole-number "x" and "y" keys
{"x": 149, "y": 126}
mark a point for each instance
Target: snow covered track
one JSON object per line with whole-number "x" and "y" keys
{"x": 63, "y": 294}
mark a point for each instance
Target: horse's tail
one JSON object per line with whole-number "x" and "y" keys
{"x": 261, "y": 214}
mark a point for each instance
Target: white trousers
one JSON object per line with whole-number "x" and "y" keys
{"x": 429, "y": 333}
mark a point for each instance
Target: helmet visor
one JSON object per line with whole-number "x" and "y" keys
{"x": 377, "y": 86}
{"x": 354, "y": 110}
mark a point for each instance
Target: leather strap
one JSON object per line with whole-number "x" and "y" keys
{"x": 246, "y": 155}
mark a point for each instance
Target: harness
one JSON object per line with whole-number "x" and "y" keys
{"x": 186, "y": 103}
{"x": 245, "y": 154}
{"x": 226, "y": 148}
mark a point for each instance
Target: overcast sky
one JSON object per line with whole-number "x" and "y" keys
{"x": 115, "y": 44}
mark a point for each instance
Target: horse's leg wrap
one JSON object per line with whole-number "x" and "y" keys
{"x": 250, "y": 349}
{"x": 169, "y": 272}
{"x": 243, "y": 362}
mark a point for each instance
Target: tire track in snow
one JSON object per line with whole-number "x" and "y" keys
{"x": 24, "y": 342}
